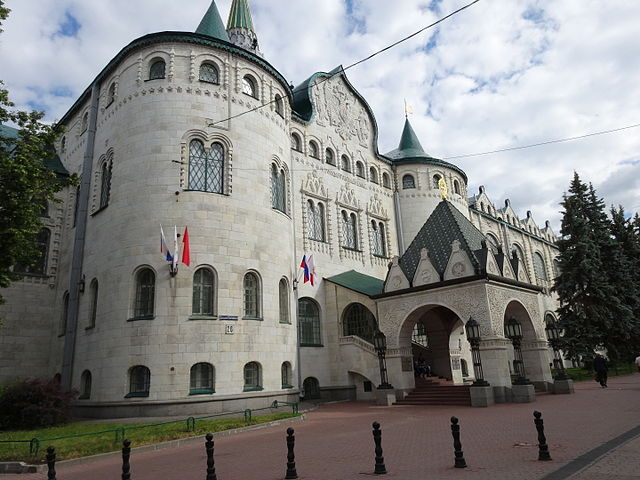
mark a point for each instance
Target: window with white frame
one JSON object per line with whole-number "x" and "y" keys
{"x": 436, "y": 181}
{"x": 296, "y": 142}
{"x": 206, "y": 168}
{"x": 349, "y": 230}
{"x": 111, "y": 93}
{"x": 316, "y": 221}
{"x": 379, "y": 238}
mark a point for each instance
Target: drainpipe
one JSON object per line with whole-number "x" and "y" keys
{"x": 396, "y": 206}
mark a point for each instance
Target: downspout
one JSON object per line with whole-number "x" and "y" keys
{"x": 396, "y": 206}
{"x": 78, "y": 245}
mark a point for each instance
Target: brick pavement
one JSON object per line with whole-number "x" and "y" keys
{"x": 335, "y": 442}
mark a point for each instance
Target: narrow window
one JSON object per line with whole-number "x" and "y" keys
{"x": 373, "y": 175}
{"x": 77, "y": 205}
{"x": 157, "y": 70}
{"x": 105, "y": 184}
{"x": 285, "y": 374}
{"x": 379, "y": 240}
{"x": 329, "y": 157}
{"x": 386, "y": 181}
{"x": 63, "y": 144}
{"x": 436, "y": 180}
{"x": 93, "y": 312}
{"x": 296, "y": 143}
{"x": 252, "y": 377}
{"x": 203, "y": 292}
{"x": 251, "y": 296}
{"x": 85, "y": 122}
{"x": 208, "y": 73}
{"x": 111, "y": 94}
{"x": 206, "y": 169}
{"x": 349, "y": 230}
{"x": 278, "y": 189}
{"x": 145, "y": 294}
{"x": 408, "y": 182}
{"x": 249, "y": 86}
{"x": 309, "y": 319}
{"x": 279, "y": 105}
{"x": 456, "y": 187}
{"x": 313, "y": 149}
{"x": 345, "y": 164}
{"x": 139, "y": 381}
{"x": 65, "y": 313}
{"x": 85, "y": 385}
{"x": 359, "y": 169}
{"x": 283, "y": 296}
{"x": 316, "y": 221}
{"x": 201, "y": 379}
{"x": 540, "y": 268}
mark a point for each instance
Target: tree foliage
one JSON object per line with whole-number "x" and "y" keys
{"x": 597, "y": 286}
{"x": 25, "y": 180}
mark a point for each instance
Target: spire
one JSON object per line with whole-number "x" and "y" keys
{"x": 409, "y": 139}
{"x": 240, "y": 27}
{"x": 211, "y": 24}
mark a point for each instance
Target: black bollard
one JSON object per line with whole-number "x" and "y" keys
{"x": 377, "y": 439}
{"x": 51, "y": 463}
{"x": 457, "y": 446}
{"x": 126, "y": 452}
{"x": 211, "y": 469}
{"x": 543, "y": 448}
{"x": 291, "y": 458}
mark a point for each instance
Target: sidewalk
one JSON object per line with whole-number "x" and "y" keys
{"x": 499, "y": 442}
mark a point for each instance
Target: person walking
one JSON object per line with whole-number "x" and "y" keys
{"x": 638, "y": 362}
{"x": 600, "y": 366}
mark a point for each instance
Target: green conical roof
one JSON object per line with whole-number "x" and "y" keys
{"x": 211, "y": 24}
{"x": 409, "y": 145}
{"x": 240, "y": 16}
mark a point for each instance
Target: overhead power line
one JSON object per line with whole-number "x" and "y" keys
{"x": 388, "y": 47}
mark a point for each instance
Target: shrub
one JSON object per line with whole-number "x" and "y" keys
{"x": 35, "y": 403}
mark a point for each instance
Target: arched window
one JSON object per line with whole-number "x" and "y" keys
{"x": 345, "y": 164}
{"x": 139, "y": 381}
{"x": 251, "y": 296}
{"x": 85, "y": 385}
{"x": 373, "y": 175}
{"x": 359, "y": 321}
{"x": 360, "y": 169}
{"x": 252, "y": 377}
{"x": 208, "y": 73}
{"x": 408, "y": 182}
{"x": 436, "y": 180}
{"x": 203, "y": 292}
{"x": 85, "y": 122}
{"x": 65, "y": 313}
{"x": 311, "y": 388}
{"x": 249, "y": 86}
{"x": 206, "y": 169}
{"x": 379, "y": 239}
{"x": 313, "y": 149}
{"x": 464, "y": 367}
{"x": 386, "y": 180}
{"x": 285, "y": 374}
{"x": 201, "y": 379}
{"x": 492, "y": 243}
{"x": 111, "y": 93}
{"x": 316, "y": 221}
{"x": 93, "y": 309}
{"x": 279, "y": 105}
{"x": 278, "y": 189}
{"x": 309, "y": 321}
{"x": 419, "y": 335}
{"x": 283, "y": 297}
{"x": 456, "y": 187}
{"x": 157, "y": 69}
{"x": 105, "y": 183}
{"x": 63, "y": 144}
{"x": 329, "y": 157}
{"x": 296, "y": 143}
{"x": 145, "y": 294}
{"x": 539, "y": 266}
{"x": 349, "y": 230}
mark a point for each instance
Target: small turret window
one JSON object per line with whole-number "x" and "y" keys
{"x": 408, "y": 182}
{"x": 436, "y": 179}
{"x": 208, "y": 73}
{"x": 249, "y": 86}
{"x": 279, "y": 105}
{"x": 157, "y": 70}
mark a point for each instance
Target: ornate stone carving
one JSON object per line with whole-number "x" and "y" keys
{"x": 459, "y": 264}
{"x": 500, "y": 297}
{"x": 376, "y": 209}
{"x": 396, "y": 279}
{"x": 425, "y": 272}
{"x": 347, "y": 197}
{"x": 314, "y": 185}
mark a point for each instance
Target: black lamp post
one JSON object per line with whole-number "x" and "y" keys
{"x": 514, "y": 333}
{"x": 473, "y": 336}
{"x": 553, "y": 335}
{"x": 380, "y": 344}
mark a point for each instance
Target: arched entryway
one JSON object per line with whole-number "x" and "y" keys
{"x": 311, "y": 388}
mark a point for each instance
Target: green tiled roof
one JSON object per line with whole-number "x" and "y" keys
{"x": 52, "y": 163}
{"x": 445, "y": 225}
{"x": 359, "y": 282}
{"x": 8, "y": 132}
{"x": 211, "y": 24}
{"x": 240, "y": 16}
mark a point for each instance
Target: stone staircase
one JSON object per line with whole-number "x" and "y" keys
{"x": 437, "y": 392}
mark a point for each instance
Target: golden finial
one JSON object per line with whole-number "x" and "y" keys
{"x": 442, "y": 186}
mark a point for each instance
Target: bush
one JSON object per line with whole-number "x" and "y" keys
{"x": 35, "y": 403}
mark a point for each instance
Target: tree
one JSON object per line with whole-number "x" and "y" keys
{"x": 25, "y": 180}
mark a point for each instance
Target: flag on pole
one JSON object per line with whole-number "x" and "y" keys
{"x": 174, "y": 260}
{"x": 305, "y": 266}
{"x": 186, "y": 254}
{"x": 164, "y": 249}
{"x": 312, "y": 270}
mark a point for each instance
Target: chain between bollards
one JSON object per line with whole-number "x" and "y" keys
{"x": 51, "y": 463}
{"x": 543, "y": 448}
{"x": 457, "y": 446}
{"x": 291, "y": 458}
{"x": 211, "y": 468}
{"x": 377, "y": 439}
{"x": 126, "y": 452}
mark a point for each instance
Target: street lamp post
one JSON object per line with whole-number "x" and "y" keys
{"x": 380, "y": 344}
{"x": 514, "y": 333}
{"x": 473, "y": 336}
{"x": 553, "y": 335}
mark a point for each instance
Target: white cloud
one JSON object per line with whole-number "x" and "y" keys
{"x": 498, "y": 74}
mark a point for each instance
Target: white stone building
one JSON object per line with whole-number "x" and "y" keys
{"x": 198, "y": 130}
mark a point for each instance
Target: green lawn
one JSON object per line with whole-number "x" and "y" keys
{"x": 106, "y": 442}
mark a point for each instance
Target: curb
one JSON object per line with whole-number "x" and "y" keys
{"x": 21, "y": 467}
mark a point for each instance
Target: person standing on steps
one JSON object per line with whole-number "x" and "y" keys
{"x": 600, "y": 366}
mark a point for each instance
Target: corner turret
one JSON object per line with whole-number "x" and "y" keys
{"x": 240, "y": 27}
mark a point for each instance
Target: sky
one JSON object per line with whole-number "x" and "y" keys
{"x": 500, "y": 74}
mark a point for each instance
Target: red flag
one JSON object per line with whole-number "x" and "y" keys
{"x": 186, "y": 258}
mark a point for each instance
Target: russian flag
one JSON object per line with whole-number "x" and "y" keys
{"x": 164, "y": 249}
{"x": 304, "y": 265}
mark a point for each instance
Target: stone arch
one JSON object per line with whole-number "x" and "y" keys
{"x": 311, "y": 387}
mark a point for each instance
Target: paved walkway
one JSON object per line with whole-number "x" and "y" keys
{"x": 594, "y": 434}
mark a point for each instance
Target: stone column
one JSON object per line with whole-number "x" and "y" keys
{"x": 536, "y": 356}
{"x": 495, "y": 365}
